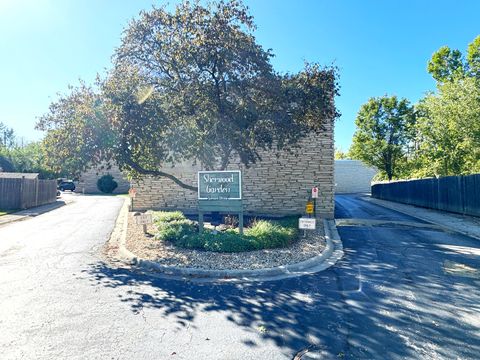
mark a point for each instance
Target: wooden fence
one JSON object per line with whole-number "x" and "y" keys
{"x": 458, "y": 194}
{"x": 24, "y": 193}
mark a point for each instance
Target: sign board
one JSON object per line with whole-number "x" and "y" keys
{"x": 307, "y": 223}
{"x": 315, "y": 192}
{"x": 220, "y": 185}
{"x": 143, "y": 219}
{"x": 309, "y": 208}
{"x": 220, "y": 191}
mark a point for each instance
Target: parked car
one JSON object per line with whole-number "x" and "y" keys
{"x": 66, "y": 185}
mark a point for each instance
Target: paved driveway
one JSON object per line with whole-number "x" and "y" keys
{"x": 403, "y": 290}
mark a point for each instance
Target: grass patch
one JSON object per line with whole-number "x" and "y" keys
{"x": 5, "y": 212}
{"x": 174, "y": 227}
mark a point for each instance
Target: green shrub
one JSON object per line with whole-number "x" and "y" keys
{"x": 173, "y": 227}
{"x": 228, "y": 241}
{"x": 175, "y": 230}
{"x": 167, "y": 216}
{"x": 106, "y": 184}
{"x": 269, "y": 234}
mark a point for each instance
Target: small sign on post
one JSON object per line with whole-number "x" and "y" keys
{"x": 307, "y": 223}
{"x": 220, "y": 192}
{"x": 143, "y": 219}
{"x": 315, "y": 192}
{"x": 309, "y": 208}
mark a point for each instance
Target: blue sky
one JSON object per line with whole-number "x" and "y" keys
{"x": 381, "y": 47}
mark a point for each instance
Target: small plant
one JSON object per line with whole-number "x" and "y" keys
{"x": 106, "y": 184}
{"x": 231, "y": 220}
{"x": 168, "y": 216}
{"x": 271, "y": 234}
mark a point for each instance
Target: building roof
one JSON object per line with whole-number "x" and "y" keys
{"x": 13, "y": 175}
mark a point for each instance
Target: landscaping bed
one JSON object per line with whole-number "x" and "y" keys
{"x": 285, "y": 246}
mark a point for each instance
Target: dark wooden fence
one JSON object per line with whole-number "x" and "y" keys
{"x": 458, "y": 194}
{"x": 26, "y": 193}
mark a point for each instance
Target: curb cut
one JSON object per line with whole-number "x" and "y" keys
{"x": 330, "y": 255}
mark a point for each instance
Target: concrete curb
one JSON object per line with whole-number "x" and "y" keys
{"x": 332, "y": 253}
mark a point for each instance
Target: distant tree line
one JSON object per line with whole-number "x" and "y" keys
{"x": 18, "y": 157}
{"x": 438, "y": 136}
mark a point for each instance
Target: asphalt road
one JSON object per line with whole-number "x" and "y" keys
{"x": 404, "y": 290}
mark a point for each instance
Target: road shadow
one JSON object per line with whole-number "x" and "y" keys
{"x": 388, "y": 298}
{"x": 294, "y": 313}
{"x": 336, "y": 314}
{"x": 400, "y": 296}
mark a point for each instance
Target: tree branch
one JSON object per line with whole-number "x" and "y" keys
{"x": 142, "y": 170}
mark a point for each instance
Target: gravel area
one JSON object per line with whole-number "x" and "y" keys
{"x": 145, "y": 246}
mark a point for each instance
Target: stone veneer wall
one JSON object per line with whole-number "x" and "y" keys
{"x": 353, "y": 176}
{"x": 88, "y": 180}
{"x": 278, "y": 185}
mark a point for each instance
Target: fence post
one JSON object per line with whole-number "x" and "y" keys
{"x": 22, "y": 193}
{"x": 36, "y": 191}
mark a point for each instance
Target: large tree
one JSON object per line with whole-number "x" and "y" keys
{"x": 449, "y": 64}
{"x": 195, "y": 85}
{"x": 78, "y": 134}
{"x": 385, "y": 130}
{"x": 448, "y": 133}
{"x": 449, "y": 130}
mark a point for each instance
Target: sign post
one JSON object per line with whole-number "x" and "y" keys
{"x": 143, "y": 219}
{"x": 314, "y": 197}
{"x": 132, "y": 192}
{"x": 220, "y": 191}
{"x": 309, "y": 222}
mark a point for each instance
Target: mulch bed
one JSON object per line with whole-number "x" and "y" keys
{"x": 145, "y": 246}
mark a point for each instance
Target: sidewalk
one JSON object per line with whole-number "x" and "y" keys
{"x": 29, "y": 213}
{"x": 467, "y": 225}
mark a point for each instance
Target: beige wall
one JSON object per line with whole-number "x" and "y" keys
{"x": 279, "y": 184}
{"x": 353, "y": 176}
{"x": 88, "y": 180}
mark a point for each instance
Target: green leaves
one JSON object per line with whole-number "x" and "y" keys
{"x": 450, "y": 130}
{"x": 7, "y": 136}
{"x": 385, "y": 130}
{"x": 449, "y": 65}
{"x": 473, "y": 57}
{"x": 189, "y": 85}
{"x": 78, "y": 132}
{"x": 446, "y": 64}
{"x": 441, "y": 137}
{"x": 215, "y": 94}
